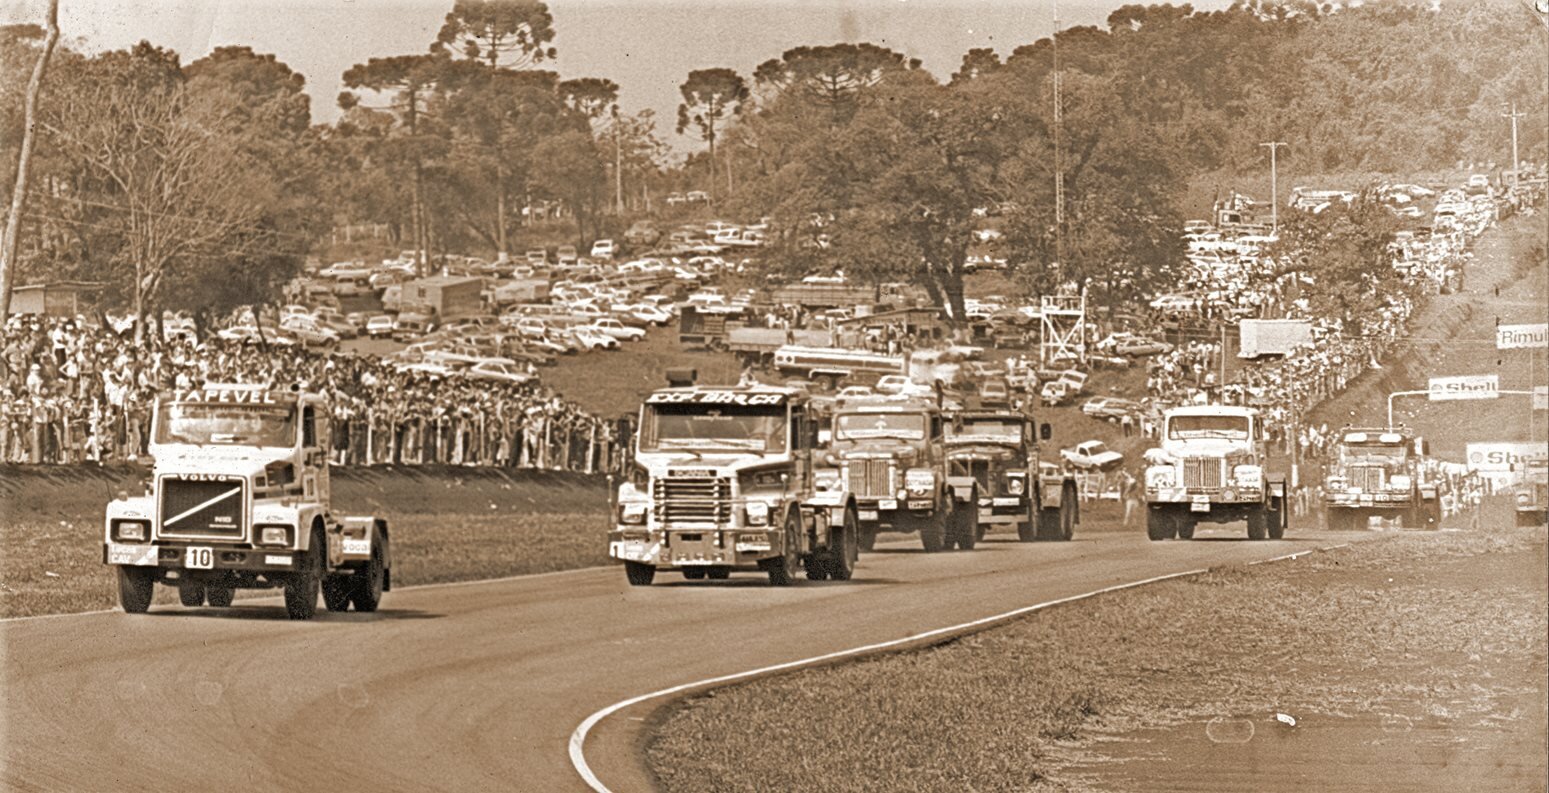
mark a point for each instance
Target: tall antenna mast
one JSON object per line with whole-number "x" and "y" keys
{"x": 1059, "y": 168}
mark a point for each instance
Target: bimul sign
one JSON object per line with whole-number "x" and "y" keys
{"x": 1520, "y": 337}
{"x": 1472, "y": 386}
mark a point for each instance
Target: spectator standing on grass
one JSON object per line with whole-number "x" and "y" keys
{"x": 1129, "y": 492}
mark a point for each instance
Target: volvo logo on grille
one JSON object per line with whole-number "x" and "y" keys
{"x": 207, "y": 478}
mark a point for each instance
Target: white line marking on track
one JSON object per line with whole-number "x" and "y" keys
{"x": 578, "y": 737}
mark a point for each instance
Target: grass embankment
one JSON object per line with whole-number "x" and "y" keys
{"x": 1431, "y": 626}
{"x": 448, "y": 524}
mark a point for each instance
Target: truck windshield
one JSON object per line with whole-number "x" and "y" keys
{"x": 236, "y": 425}
{"x": 698, "y": 427}
{"x": 986, "y": 431}
{"x": 861, "y": 426}
{"x": 1373, "y": 454}
{"x": 1228, "y": 427}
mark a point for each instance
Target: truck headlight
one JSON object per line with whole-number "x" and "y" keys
{"x": 131, "y": 530}
{"x": 1015, "y": 485}
{"x": 1400, "y": 482}
{"x": 1522, "y": 498}
{"x": 758, "y": 513}
{"x": 632, "y": 513}
{"x": 920, "y": 481}
{"x": 274, "y": 535}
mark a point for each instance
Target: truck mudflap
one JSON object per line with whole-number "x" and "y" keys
{"x": 962, "y": 488}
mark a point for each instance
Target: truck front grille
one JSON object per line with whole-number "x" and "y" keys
{"x": 1203, "y": 473}
{"x": 203, "y": 507}
{"x": 1369, "y": 478}
{"x": 684, "y": 499}
{"x": 872, "y": 478}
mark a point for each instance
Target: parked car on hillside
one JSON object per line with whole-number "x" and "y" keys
{"x": 1111, "y": 408}
{"x": 642, "y": 233}
{"x": 592, "y": 339}
{"x": 567, "y": 254}
{"x": 603, "y": 249}
{"x": 1092, "y": 455}
{"x": 1141, "y": 346}
{"x": 617, "y": 329}
{"x": 499, "y": 371}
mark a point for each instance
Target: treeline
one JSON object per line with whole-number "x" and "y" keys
{"x": 203, "y": 185}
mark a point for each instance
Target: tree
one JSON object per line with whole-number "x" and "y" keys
{"x": 978, "y": 62}
{"x": 566, "y": 166}
{"x": 590, "y": 96}
{"x": 410, "y": 81}
{"x": 158, "y": 165}
{"x": 832, "y": 77}
{"x": 9, "y": 237}
{"x": 709, "y": 97}
{"x": 487, "y": 30}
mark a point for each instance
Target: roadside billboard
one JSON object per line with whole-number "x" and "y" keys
{"x": 1472, "y": 386}
{"x": 1498, "y": 458}
{"x": 1518, "y": 337}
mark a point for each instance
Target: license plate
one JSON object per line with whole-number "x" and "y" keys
{"x": 138, "y": 555}
{"x": 1008, "y": 502}
{"x": 1199, "y": 505}
{"x": 199, "y": 557}
{"x": 887, "y": 503}
{"x": 866, "y": 514}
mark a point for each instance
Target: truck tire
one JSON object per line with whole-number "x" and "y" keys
{"x": 1160, "y": 525}
{"x": 842, "y": 551}
{"x": 694, "y": 573}
{"x": 304, "y": 585}
{"x": 191, "y": 593}
{"x": 933, "y": 531}
{"x": 1184, "y": 526}
{"x": 369, "y": 583}
{"x": 1051, "y": 523}
{"x": 136, "y": 585}
{"x": 219, "y": 596}
{"x": 1027, "y": 530}
{"x": 718, "y": 573}
{"x": 964, "y": 531}
{"x": 816, "y": 566}
{"x": 868, "y": 538}
{"x": 1258, "y": 524}
{"x": 1070, "y": 511}
{"x": 782, "y": 569}
{"x": 639, "y": 573}
{"x": 336, "y": 592}
{"x": 1276, "y": 519}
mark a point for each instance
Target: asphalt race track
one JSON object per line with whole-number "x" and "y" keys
{"x": 479, "y": 686}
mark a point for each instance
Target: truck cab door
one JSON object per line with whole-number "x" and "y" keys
{"x": 314, "y": 455}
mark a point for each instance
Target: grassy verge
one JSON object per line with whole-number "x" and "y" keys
{"x": 448, "y": 525}
{"x": 1397, "y": 624}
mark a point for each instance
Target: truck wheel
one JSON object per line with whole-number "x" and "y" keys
{"x": 718, "y": 573}
{"x": 191, "y": 593}
{"x": 868, "y": 538}
{"x": 136, "y": 585}
{"x": 816, "y": 567}
{"x": 965, "y": 524}
{"x": 842, "y": 551}
{"x": 366, "y": 593}
{"x": 639, "y": 573}
{"x": 219, "y": 596}
{"x": 1160, "y": 525}
{"x": 1068, "y": 507}
{"x": 694, "y": 573}
{"x": 302, "y": 588}
{"x": 1276, "y": 519}
{"x": 782, "y": 569}
{"x": 1185, "y": 527}
{"x": 1051, "y": 523}
{"x": 1258, "y": 524}
{"x": 1026, "y": 531}
{"x": 933, "y": 531}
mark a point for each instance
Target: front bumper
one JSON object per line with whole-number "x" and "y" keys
{"x": 1003, "y": 510}
{"x": 1224, "y": 495}
{"x": 222, "y": 557}
{"x": 718, "y": 547}
{"x": 885, "y": 510}
{"x": 1379, "y": 499}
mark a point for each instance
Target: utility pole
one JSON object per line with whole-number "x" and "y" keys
{"x": 1514, "y": 115}
{"x": 618, "y": 168}
{"x": 1059, "y": 176}
{"x": 1274, "y": 185}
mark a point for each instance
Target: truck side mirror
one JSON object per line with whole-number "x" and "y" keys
{"x": 1045, "y": 432}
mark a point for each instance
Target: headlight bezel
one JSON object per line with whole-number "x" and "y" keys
{"x": 144, "y": 527}
{"x": 633, "y": 513}
{"x": 757, "y": 513}
{"x": 287, "y": 537}
{"x": 1016, "y": 483}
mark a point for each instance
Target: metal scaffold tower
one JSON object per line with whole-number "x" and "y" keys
{"x": 1063, "y": 324}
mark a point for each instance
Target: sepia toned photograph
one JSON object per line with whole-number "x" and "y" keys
{"x": 857, "y": 396}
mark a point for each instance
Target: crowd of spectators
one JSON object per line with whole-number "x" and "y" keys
{"x": 72, "y": 391}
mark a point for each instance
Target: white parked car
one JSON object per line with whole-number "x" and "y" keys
{"x": 603, "y": 249}
{"x": 648, "y": 313}
{"x": 618, "y": 330}
{"x": 500, "y": 371}
{"x": 1092, "y": 454}
{"x": 379, "y": 326}
{"x": 592, "y": 339}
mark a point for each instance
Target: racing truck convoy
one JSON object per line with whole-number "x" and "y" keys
{"x": 996, "y": 450}
{"x": 239, "y": 498}
{"x": 1379, "y": 472}
{"x": 723, "y": 479}
{"x": 889, "y": 453}
{"x": 1211, "y": 467}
